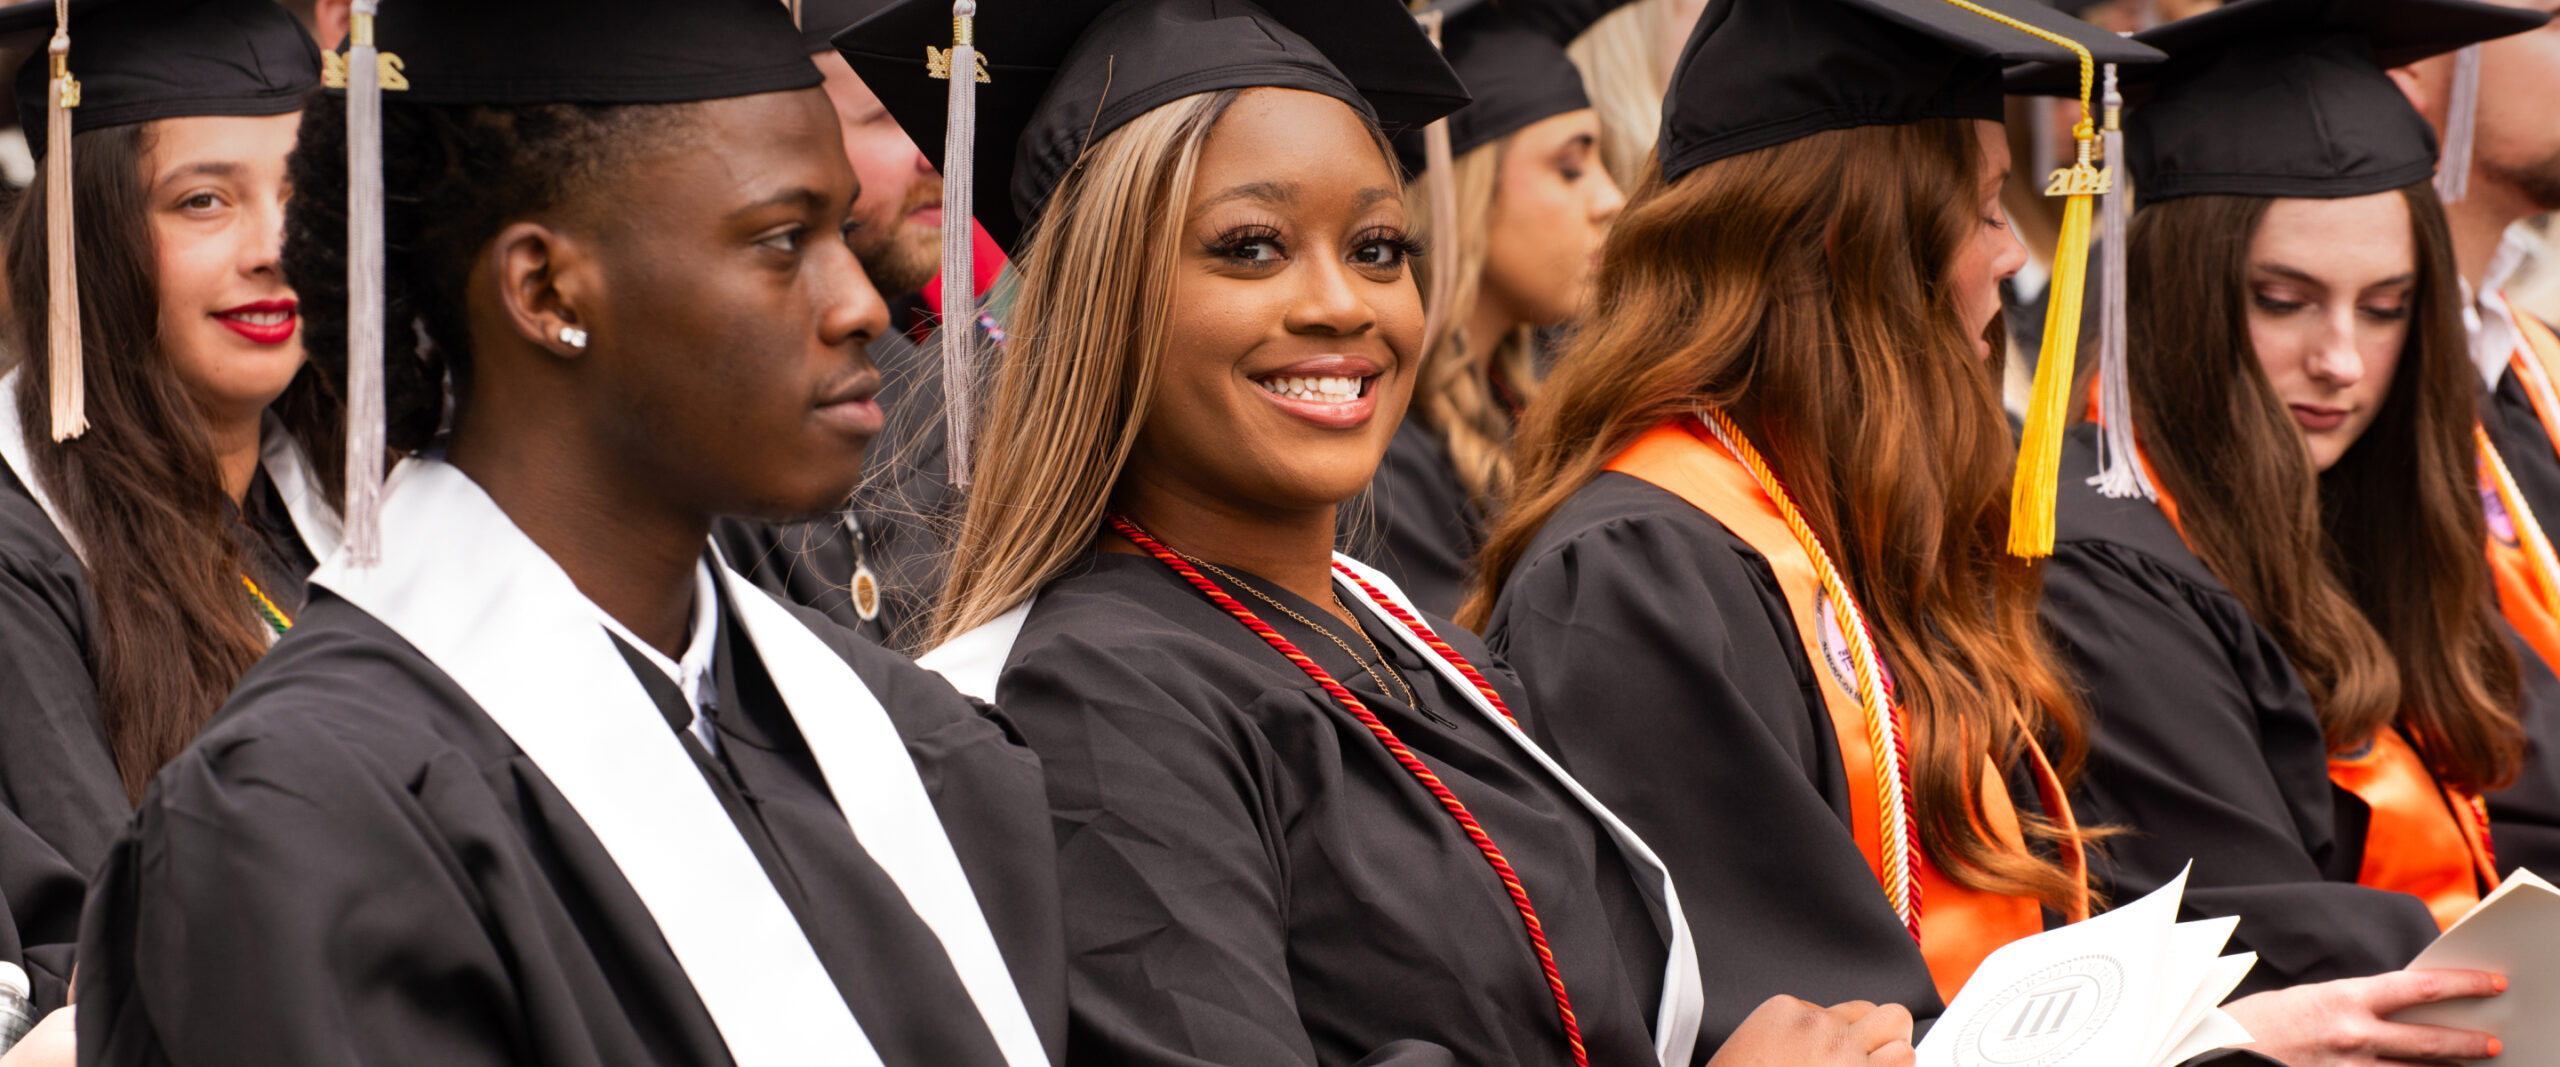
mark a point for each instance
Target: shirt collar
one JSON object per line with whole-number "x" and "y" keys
{"x": 2494, "y": 338}
{"x": 692, "y": 674}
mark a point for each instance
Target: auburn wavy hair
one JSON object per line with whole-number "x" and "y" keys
{"x": 2370, "y": 574}
{"x": 1803, "y": 290}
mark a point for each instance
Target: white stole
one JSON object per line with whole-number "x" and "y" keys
{"x": 472, "y": 593}
{"x": 286, "y": 465}
{"x": 974, "y": 661}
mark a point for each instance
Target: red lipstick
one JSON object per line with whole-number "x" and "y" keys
{"x": 266, "y": 322}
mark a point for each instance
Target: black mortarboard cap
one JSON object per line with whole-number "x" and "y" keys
{"x": 139, "y": 60}
{"x": 1510, "y": 54}
{"x": 821, "y": 20}
{"x": 1063, "y": 73}
{"x": 2287, "y": 98}
{"x": 1758, "y": 73}
{"x": 515, "y": 52}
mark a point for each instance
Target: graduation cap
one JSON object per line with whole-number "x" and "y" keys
{"x": 1027, "y": 85}
{"x": 1511, "y": 57}
{"x": 1762, "y": 72}
{"x": 513, "y": 53}
{"x": 821, "y": 20}
{"x": 2272, "y": 98}
{"x": 139, "y": 60}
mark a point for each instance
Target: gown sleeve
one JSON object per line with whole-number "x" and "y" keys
{"x": 1664, "y": 674}
{"x": 2206, "y": 749}
{"x": 1171, "y": 864}
{"x": 2524, "y": 818}
{"x": 250, "y": 917}
{"x": 61, "y": 799}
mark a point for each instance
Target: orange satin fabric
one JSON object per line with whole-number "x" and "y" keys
{"x": 2424, "y": 838}
{"x": 2528, "y": 595}
{"x": 1959, "y": 926}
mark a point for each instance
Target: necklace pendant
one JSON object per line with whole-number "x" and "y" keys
{"x": 866, "y": 592}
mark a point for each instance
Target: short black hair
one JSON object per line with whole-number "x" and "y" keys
{"x": 453, "y": 176}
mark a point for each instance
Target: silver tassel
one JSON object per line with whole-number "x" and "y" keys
{"x": 367, "y": 411}
{"x": 959, "y": 273}
{"x": 2120, "y": 472}
{"x": 2462, "y": 115}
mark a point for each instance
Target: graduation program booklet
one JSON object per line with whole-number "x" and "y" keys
{"x": 2515, "y": 932}
{"x": 2131, "y": 988}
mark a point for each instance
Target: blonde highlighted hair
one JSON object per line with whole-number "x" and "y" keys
{"x": 1455, "y": 398}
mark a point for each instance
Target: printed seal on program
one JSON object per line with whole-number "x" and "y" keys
{"x": 2041, "y": 1019}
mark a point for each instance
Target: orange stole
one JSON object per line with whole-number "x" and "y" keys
{"x": 2423, "y": 838}
{"x": 1959, "y": 926}
{"x": 2519, "y": 555}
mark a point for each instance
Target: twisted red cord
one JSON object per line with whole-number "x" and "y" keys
{"x": 1412, "y": 764}
{"x": 1423, "y": 630}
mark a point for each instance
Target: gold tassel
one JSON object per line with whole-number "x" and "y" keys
{"x": 2040, "y": 447}
{"x": 66, "y": 382}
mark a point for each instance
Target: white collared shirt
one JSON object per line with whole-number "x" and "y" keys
{"x": 2494, "y": 337}
{"x": 693, "y": 675}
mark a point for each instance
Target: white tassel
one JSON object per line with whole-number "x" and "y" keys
{"x": 367, "y": 412}
{"x": 66, "y": 384}
{"x": 959, "y": 271}
{"x": 2462, "y": 115}
{"x": 2120, "y": 472}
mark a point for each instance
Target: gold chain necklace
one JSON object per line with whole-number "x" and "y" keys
{"x": 1411, "y": 699}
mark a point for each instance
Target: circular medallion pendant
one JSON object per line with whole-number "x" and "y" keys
{"x": 866, "y": 593}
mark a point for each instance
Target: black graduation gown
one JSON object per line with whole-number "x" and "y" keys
{"x": 356, "y": 864}
{"x": 2506, "y": 412}
{"x": 1659, "y": 651}
{"x": 61, "y": 799}
{"x": 1250, "y": 878}
{"x": 902, "y": 504}
{"x": 2206, "y": 748}
{"x": 2525, "y": 818}
{"x": 1416, "y": 522}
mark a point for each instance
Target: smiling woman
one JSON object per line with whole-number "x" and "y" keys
{"x": 1298, "y": 822}
{"x": 148, "y": 561}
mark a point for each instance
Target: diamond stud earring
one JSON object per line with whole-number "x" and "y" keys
{"x": 573, "y": 337}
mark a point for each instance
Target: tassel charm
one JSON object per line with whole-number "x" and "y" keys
{"x": 367, "y": 409}
{"x": 2120, "y": 474}
{"x": 67, "y": 381}
{"x": 959, "y": 268}
{"x": 2461, "y": 120}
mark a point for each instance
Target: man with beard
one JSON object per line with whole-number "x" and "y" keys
{"x": 876, "y": 568}
{"x": 2513, "y": 172}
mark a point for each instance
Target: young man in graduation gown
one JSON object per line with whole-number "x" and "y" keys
{"x": 875, "y": 567}
{"x": 537, "y": 780}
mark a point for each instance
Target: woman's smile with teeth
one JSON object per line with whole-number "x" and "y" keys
{"x": 1321, "y": 390}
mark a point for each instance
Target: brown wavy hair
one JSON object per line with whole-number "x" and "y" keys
{"x": 140, "y": 490}
{"x": 2370, "y": 575}
{"x": 1802, "y": 289}
{"x": 1456, "y": 398}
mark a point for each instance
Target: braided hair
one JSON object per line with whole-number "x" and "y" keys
{"x": 453, "y": 176}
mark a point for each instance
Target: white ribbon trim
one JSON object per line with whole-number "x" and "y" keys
{"x": 472, "y": 593}
{"x": 13, "y": 449}
{"x": 1684, "y": 998}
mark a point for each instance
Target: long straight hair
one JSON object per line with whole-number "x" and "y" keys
{"x": 140, "y": 490}
{"x": 2370, "y": 574}
{"x": 1093, "y": 291}
{"x": 1803, "y": 290}
{"x": 1455, "y": 398}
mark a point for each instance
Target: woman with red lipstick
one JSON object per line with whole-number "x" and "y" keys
{"x": 1530, "y": 204}
{"x": 1295, "y": 822}
{"x": 148, "y": 559}
{"x": 2295, "y": 663}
